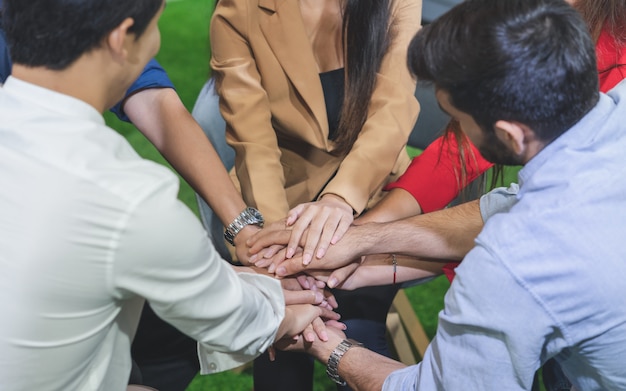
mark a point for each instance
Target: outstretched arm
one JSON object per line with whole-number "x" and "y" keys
{"x": 161, "y": 116}
{"x": 445, "y": 235}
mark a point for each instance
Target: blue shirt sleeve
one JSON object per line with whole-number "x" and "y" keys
{"x": 5, "y": 61}
{"x": 153, "y": 76}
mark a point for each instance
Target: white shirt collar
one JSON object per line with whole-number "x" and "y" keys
{"x": 51, "y": 100}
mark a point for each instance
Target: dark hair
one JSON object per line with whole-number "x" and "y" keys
{"x": 530, "y": 61}
{"x": 54, "y": 33}
{"x": 367, "y": 35}
{"x": 599, "y": 14}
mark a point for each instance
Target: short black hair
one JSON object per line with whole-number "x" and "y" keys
{"x": 54, "y": 33}
{"x": 529, "y": 61}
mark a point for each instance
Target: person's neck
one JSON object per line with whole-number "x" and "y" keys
{"x": 81, "y": 80}
{"x": 533, "y": 148}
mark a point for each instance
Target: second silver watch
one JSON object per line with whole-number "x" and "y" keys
{"x": 248, "y": 216}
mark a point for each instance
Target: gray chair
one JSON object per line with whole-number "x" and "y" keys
{"x": 432, "y": 9}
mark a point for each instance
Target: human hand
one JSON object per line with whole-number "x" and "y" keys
{"x": 345, "y": 277}
{"x": 307, "y": 321}
{"x": 379, "y": 269}
{"x": 320, "y": 349}
{"x": 265, "y": 245}
{"x": 338, "y": 255}
{"x": 242, "y": 250}
{"x": 324, "y": 222}
{"x": 305, "y": 289}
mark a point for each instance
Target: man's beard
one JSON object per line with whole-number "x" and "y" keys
{"x": 495, "y": 151}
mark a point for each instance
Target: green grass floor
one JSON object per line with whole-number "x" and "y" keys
{"x": 185, "y": 55}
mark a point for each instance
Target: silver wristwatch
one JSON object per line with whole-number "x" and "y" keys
{"x": 332, "y": 368}
{"x": 247, "y": 217}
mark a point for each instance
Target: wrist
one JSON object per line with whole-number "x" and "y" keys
{"x": 337, "y": 199}
{"x": 322, "y": 350}
{"x": 335, "y": 358}
{"x": 249, "y": 216}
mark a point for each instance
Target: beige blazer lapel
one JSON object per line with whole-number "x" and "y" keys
{"x": 281, "y": 24}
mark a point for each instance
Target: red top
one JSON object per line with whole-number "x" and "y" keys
{"x": 611, "y": 61}
{"x": 433, "y": 177}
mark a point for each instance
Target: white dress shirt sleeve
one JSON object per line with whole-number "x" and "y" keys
{"x": 165, "y": 256}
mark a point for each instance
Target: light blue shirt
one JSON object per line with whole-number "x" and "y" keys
{"x": 545, "y": 279}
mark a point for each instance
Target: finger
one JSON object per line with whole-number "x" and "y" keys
{"x": 330, "y": 299}
{"x": 304, "y": 281}
{"x": 272, "y": 353}
{"x": 295, "y": 213}
{"x": 290, "y": 267}
{"x": 336, "y": 325}
{"x": 327, "y": 314}
{"x": 323, "y": 222}
{"x": 260, "y": 260}
{"x": 342, "y": 228}
{"x": 302, "y": 297}
{"x": 327, "y": 234}
{"x": 297, "y": 232}
{"x": 273, "y": 250}
{"x": 276, "y": 260}
{"x": 309, "y": 332}
{"x": 339, "y": 276}
{"x": 267, "y": 238}
{"x": 319, "y": 327}
{"x": 290, "y": 284}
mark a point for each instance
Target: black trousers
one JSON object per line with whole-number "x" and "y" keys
{"x": 163, "y": 357}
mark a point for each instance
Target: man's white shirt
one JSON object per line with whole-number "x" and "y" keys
{"x": 88, "y": 229}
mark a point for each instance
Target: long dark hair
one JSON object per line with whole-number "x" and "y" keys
{"x": 367, "y": 33}
{"x": 600, "y": 13}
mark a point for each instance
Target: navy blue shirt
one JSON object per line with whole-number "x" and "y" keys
{"x": 5, "y": 61}
{"x": 153, "y": 75}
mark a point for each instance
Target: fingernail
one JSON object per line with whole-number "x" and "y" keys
{"x": 281, "y": 271}
{"x": 324, "y": 336}
{"x": 332, "y": 282}
{"x": 253, "y": 258}
{"x": 306, "y": 259}
{"x": 290, "y": 252}
{"x": 271, "y": 268}
{"x": 320, "y": 253}
{"x": 318, "y": 297}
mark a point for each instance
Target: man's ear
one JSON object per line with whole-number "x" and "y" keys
{"x": 116, "y": 40}
{"x": 513, "y": 135}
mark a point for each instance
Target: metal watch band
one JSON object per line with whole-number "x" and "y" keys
{"x": 332, "y": 368}
{"x": 246, "y": 217}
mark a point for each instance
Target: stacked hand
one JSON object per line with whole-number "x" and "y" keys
{"x": 309, "y": 310}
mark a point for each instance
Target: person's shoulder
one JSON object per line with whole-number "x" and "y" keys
{"x": 107, "y": 160}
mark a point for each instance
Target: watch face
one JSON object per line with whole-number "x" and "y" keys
{"x": 256, "y": 216}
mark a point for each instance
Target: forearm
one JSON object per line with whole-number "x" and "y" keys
{"x": 397, "y": 204}
{"x": 446, "y": 235}
{"x": 161, "y": 117}
{"x": 355, "y": 367}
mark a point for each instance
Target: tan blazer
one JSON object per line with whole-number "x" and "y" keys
{"x": 272, "y": 100}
